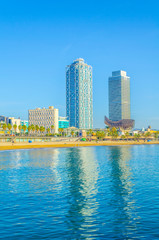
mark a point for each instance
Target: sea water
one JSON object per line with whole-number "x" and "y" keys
{"x": 109, "y": 192}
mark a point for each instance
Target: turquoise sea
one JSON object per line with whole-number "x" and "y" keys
{"x": 80, "y": 193}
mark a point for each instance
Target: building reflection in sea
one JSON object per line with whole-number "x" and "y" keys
{"x": 124, "y": 210}
{"x": 82, "y": 169}
{"x": 32, "y": 171}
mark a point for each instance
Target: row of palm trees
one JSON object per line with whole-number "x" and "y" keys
{"x": 31, "y": 128}
{"x": 113, "y": 132}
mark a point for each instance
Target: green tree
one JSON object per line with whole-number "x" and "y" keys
{"x": 4, "y": 127}
{"x": 61, "y": 130}
{"x": 15, "y": 128}
{"x": 156, "y": 135}
{"x": 33, "y": 129}
{"x": 113, "y": 133}
{"x": 24, "y": 127}
{"x": 42, "y": 129}
{"x": 48, "y": 130}
{"x": 137, "y": 136}
{"x": 29, "y": 129}
{"x": 147, "y": 135}
{"x": 123, "y": 137}
{"x": 72, "y": 133}
{"x": 20, "y": 129}
{"x": 100, "y": 135}
{"x": 127, "y": 135}
{"x": 9, "y": 126}
{"x": 90, "y": 132}
{"x": 37, "y": 128}
{"x": 52, "y": 128}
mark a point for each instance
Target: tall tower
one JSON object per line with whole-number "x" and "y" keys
{"x": 79, "y": 98}
{"x": 119, "y": 96}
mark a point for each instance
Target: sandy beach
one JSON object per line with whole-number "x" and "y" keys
{"x": 10, "y": 146}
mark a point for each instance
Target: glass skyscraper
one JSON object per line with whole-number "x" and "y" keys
{"x": 79, "y": 99}
{"x": 119, "y": 96}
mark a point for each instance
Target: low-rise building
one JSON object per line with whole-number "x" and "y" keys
{"x": 45, "y": 117}
{"x": 63, "y": 122}
{"x": 26, "y": 123}
{"x": 14, "y": 121}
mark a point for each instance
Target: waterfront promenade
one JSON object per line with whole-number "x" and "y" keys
{"x": 63, "y": 144}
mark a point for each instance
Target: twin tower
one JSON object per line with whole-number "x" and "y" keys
{"x": 79, "y": 96}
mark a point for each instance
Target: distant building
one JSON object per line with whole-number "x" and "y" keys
{"x": 3, "y": 119}
{"x": 26, "y": 123}
{"x": 14, "y": 121}
{"x": 119, "y": 96}
{"x": 79, "y": 98}
{"x": 119, "y": 101}
{"x": 44, "y": 117}
{"x": 63, "y": 122}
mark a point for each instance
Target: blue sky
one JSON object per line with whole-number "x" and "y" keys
{"x": 39, "y": 38}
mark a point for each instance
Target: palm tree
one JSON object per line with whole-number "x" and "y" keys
{"x": 127, "y": 135}
{"x": 20, "y": 129}
{"x": 156, "y": 134}
{"x": 52, "y": 127}
{"x": 90, "y": 132}
{"x": 33, "y": 128}
{"x": 100, "y": 135}
{"x": 37, "y": 129}
{"x": 41, "y": 129}
{"x": 113, "y": 133}
{"x": 24, "y": 127}
{"x": 4, "y": 127}
{"x": 72, "y": 133}
{"x": 9, "y": 126}
{"x": 143, "y": 136}
{"x": 61, "y": 130}
{"x": 15, "y": 127}
{"x": 123, "y": 137}
{"x": 29, "y": 129}
{"x": 147, "y": 135}
{"x": 48, "y": 130}
{"x": 137, "y": 136}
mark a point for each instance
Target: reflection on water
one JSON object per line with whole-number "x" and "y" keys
{"x": 23, "y": 165}
{"x": 80, "y": 193}
{"x": 125, "y": 214}
{"x": 82, "y": 171}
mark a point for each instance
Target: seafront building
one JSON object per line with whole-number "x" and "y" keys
{"x": 79, "y": 98}
{"x": 14, "y": 121}
{"x": 45, "y": 117}
{"x": 26, "y": 123}
{"x": 119, "y": 96}
{"x": 3, "y": 119}
{"x": 119, "y": 101}
{"x": 63, "y": 122}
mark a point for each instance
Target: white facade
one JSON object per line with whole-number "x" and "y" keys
{"x": 14, "y": 121}
{"x": 44, "y": 117}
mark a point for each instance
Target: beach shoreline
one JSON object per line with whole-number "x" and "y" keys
{"x": 10, "y": 146}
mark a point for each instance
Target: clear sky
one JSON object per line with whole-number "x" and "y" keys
{"x": 39, "y": 38}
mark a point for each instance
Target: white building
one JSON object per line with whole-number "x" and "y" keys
{"x": 14, "y": 121}
{"x": 44, "y": 117}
